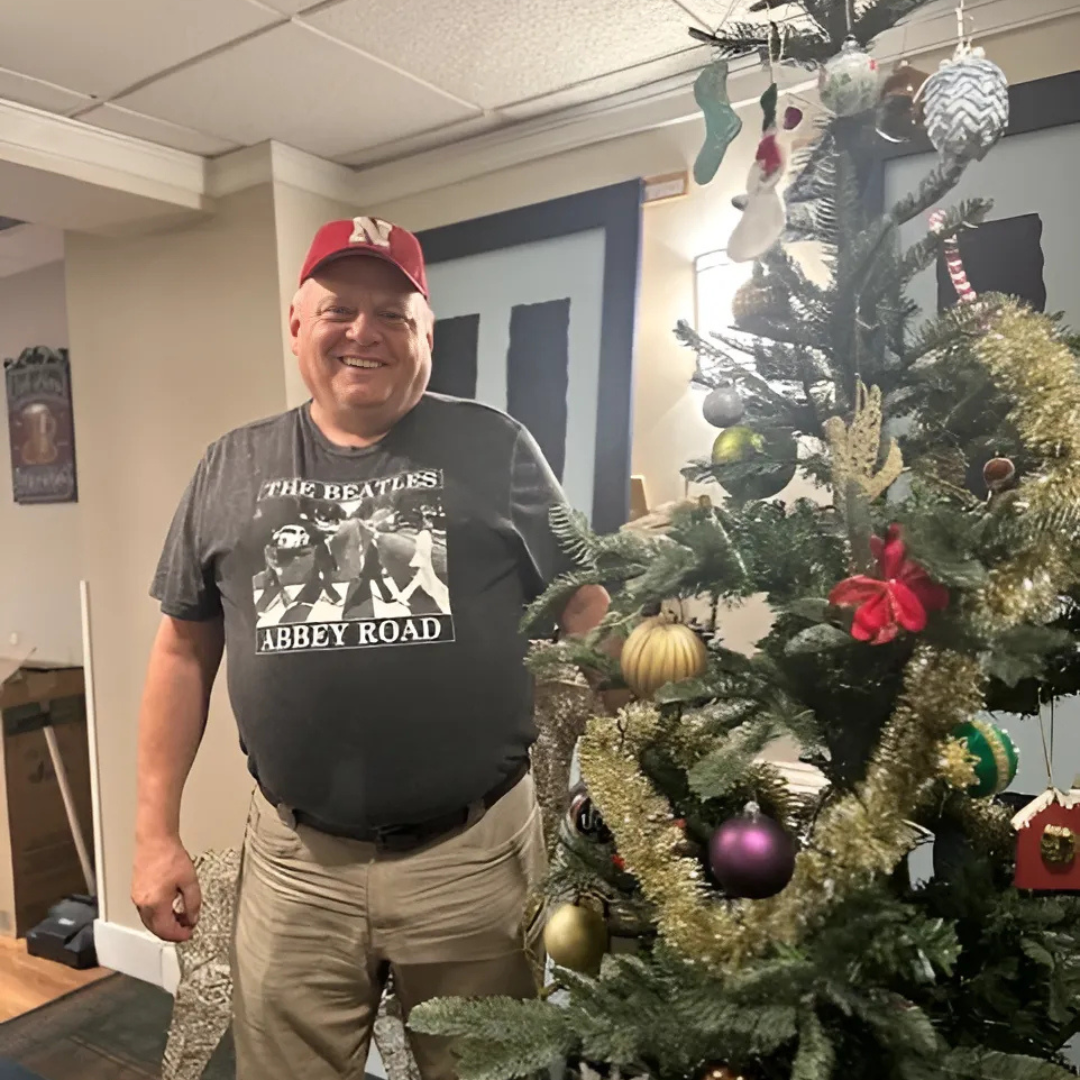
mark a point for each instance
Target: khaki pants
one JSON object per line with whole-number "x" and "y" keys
{"x": 321, "y": 920}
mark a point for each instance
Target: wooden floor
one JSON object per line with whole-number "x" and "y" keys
{"x": 26, "y": 982}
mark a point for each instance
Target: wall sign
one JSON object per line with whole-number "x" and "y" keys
{"x": 41, "y": 426}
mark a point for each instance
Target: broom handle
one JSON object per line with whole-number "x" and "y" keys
{"x": 69, "y": 806}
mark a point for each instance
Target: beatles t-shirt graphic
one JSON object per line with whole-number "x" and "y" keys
{"x": 352, "y": 565}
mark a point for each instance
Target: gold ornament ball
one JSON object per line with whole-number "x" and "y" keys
{"x": 576, "y": 938}
{"x": 736, "y": 444}
{"x": 661, "y": 651}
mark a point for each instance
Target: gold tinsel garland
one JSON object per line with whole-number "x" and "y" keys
{"x": 1037, "y": 370}
{"x": 855, "y": 837}
{"x": 867, "y": 832}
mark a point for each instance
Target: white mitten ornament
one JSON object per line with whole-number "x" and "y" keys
{"x": 764, "y": 216}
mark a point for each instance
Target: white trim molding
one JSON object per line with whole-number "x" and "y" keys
{"x": 136, "y": 953}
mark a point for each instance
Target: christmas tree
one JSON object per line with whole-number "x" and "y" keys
{"x": 708, "y": 918}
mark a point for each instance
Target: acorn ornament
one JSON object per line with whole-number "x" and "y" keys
{"x": 723, "y": 407}
{"x": 758, "y": 298}
{"x": 576, "y": 938}
{"x": 998, "y": 474}
{"x": 659, "y": 651}
{"x": 848, "y": 82}
{"x": 899, "y": 111}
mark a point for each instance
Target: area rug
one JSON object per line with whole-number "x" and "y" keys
{"x": 114, "y": 1029}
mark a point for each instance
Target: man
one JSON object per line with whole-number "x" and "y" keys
{"x": 394, "y": 824}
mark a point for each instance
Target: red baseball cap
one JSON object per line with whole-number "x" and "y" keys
{"x": 368, "y": 236}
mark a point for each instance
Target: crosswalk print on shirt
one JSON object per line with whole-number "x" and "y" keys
{"x": 351, "y": 565}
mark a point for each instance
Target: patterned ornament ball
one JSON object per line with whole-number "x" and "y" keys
{"x": 723, "y": 407}
{"x": 899, "y": 111}
{"x": 661, "y": 651}
{"x": 584, "y": 818}
{"x": 966, "y": 105}
{"x": 996, "y": 758}
{"x": 848, "y": 83}
{"x": 752, "y": 856}
{"x": 576, "y": 938}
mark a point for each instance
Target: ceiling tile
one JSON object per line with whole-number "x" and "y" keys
{"x": 126, "y": 122}
{"x": 38, "y": 94}
{"x": 485, "y": 51}
{"x": 642, "y": 76}
{"x": 106, "y": 47}
{"x": 715, "y": 13}
{"x": 299, "y": 88}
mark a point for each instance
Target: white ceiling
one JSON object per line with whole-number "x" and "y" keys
{"x": 353, "y": 81}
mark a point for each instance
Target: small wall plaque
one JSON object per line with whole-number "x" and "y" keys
{"x": 41, "y": 426}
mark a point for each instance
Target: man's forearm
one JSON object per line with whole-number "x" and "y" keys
{"x": 172, "y": 719}
{"x": 584, "y": 611}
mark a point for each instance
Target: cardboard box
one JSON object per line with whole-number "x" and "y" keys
{"x": 39, "y": 864}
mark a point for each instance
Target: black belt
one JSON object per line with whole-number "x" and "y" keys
{"x": 407, "y": 837}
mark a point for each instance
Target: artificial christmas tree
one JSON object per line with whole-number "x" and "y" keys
{"x": 777, "y": 930}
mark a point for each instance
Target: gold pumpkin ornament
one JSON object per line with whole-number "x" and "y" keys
{"x": 661, "y": 651}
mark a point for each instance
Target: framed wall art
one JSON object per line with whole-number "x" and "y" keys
{"x": 535, "y": 311}
{"x": 41, "y": 426}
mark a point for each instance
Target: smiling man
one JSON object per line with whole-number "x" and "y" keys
{"x": 366, "y": 559}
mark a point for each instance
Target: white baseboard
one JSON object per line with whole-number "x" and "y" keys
{"x": 143, "y": 956}
{"x": 136, "y": 953}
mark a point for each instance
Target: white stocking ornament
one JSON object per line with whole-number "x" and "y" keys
{"x": 764, "y": 216}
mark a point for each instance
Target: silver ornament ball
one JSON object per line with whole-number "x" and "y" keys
{"x": 723, "y": 407}
{"x": 966, "y": 106}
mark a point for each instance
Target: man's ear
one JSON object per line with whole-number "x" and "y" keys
{"x": 430, "y": 327}
{"x": 294, "y": 323}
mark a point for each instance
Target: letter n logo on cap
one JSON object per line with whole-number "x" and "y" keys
{"x": 369, "y": 230}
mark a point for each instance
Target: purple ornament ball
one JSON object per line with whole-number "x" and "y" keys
{"x": 752, "y": 857}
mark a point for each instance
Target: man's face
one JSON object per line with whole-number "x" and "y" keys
{"x": 363, "y": 337}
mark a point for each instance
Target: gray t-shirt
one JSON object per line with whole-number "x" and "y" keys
{"x": 372, "y": 600}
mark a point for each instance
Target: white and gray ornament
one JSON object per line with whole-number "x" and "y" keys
{"x": 723, "y": 407}
{"x": 848, "y": 83}
{"x": 966, "y": 105}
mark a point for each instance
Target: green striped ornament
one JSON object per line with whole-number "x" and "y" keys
{"x": 996, "y": 756}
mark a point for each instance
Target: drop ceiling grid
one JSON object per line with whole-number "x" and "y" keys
{"x": 104, "y": 47}
{"x": 300, "y": 88}
{"x": 485, "y": 51}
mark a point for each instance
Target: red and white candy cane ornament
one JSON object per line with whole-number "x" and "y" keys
{"x": 953, "y": 261}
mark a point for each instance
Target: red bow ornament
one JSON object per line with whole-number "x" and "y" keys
{"x": 898, "y": 598}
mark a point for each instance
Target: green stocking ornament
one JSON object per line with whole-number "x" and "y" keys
{"x": 722, "y": 122}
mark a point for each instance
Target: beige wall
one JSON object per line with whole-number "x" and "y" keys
{"x": 298, "y": 215}
{"x": 178, "y": 339}
{"x": 39, "y": 595}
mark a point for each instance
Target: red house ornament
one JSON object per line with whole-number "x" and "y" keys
{"x": 1048, "y": 842}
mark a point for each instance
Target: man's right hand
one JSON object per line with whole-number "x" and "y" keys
{"x": 165, "y": 889}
